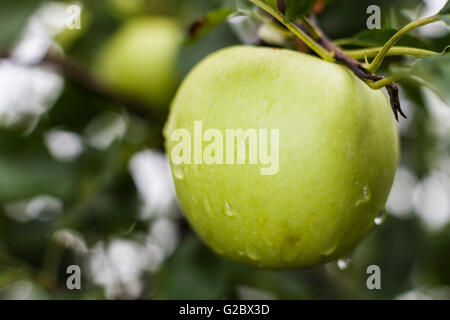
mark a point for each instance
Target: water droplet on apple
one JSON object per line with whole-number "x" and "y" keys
{"x": 178, "y": 172}
{"x": 345, "y": 263}
{"x": 207, "y": 206}
{"x": 228, "y": 210}
{"x": 380, "y": 218}
{"x": 366, "y": 195}
{"x": 251, "y": 253}
{"x": 329, "y": 250}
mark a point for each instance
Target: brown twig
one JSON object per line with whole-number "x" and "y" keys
{"x": 358, "y": 69}
{"x": 76, "y": 73}
{"x": 311, "y": 29}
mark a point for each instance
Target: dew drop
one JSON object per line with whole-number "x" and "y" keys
{"x": 345, "y": 263}
{"x": 178, "y": 172}
{"x": 328, "y": 251}
{"x": 207, "y": 206}
{"x": 380, "y": 219}
{"x": 251, "y": 253}
{"x": 366, "y": 195}
{"x": 228, "y": 211}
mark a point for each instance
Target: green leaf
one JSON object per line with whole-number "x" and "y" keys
{"x": 297, "y": 8}
{"x": 446, "y": 50}
{"x": 377, "y": 38}
{"x": 272, "y": 3}
{"x": 203, "y": 25}
{"x": 193, "y": 271}
{"x": 446, "y": 8}
{"x": 291, "y": 9}
{"x": 445, "y": 13}
{"x": 433, "y": 71}
{"x": 27, "y": 169}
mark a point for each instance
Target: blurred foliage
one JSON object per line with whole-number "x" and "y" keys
{"x": 13, "y": 16}
{"x": 101, "y": 202}
{"x": 377, "y": 38}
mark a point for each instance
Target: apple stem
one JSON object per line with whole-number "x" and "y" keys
{"x": 318, "y": 42}
{"x": 372, "y": 80}
{"x": 376, "y": 62}
{"x": 383, "y": 82}
{"x": 394, "y": 51}
{"x": 313, "y": 45}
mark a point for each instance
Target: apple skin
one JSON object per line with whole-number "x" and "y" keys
{"x": 140, "y": 60}
{"x": 338, "y": 150}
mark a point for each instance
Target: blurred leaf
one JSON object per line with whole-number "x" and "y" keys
{"x": 193, "y": 272}
{"x": 220, "y": 37}
{"x": 344, "y": 18}
{"x": 205, "y": 24}
{"x": 27, "y": 169}
{"x": 291, "y": 9}
{"x": 13, "y": 15}
{"x": 9, "y": 276}
{"x": 446, "y": 8}
{"x": 445, "y": 13}
{"x": 434, "y": 71}
{"x": 271, "y": 3}
{"x": 281, "y": 284}
{"x": 394, "y": 248}
{"x": 377, "y": 38}
{"x": 297, "y": 8}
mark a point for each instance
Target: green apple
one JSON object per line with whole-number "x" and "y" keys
{"x": 338, "y": 152}
{"x": 140, "y": 60}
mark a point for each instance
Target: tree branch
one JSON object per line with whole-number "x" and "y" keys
{"x": 76, "y": 73}
{"x": 356, "y": 67}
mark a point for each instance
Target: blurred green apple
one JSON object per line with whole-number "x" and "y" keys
{"x": 127, "y": 8}
{"x": 338, "y": 152}
{"x": 140, "y": 60}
